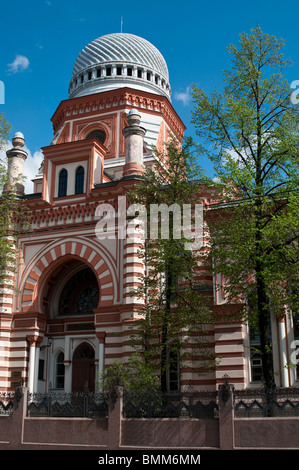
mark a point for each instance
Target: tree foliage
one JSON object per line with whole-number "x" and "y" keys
{"x": 173, "y": 319}
{"x": 250, "y": 133}
{"x": 135, "y": 375}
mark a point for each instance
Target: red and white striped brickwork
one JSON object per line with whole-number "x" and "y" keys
{"x": 64, "y": 232}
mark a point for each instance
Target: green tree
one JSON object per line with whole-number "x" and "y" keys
{"x": 170, "y": 333}
{"x": 135, "y": 376}
{"x": 14, "y": 216}
{"x": 250, "y": 133}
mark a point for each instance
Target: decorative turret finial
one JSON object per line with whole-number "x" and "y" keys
{"x": 18, "y": 140}
{"x": 133, "y": 117}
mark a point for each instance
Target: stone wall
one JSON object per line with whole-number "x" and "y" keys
{"x": 115, "y": 432}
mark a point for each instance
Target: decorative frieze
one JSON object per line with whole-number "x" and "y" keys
{"x": 117, "y": 99}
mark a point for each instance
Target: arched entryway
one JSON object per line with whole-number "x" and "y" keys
{"x": 41, "y": 274}
{"x": 71, "y": 290}
{"x": 83, "y": 371}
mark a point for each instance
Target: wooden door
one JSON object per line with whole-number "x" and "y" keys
{"x": 83, "y": 373}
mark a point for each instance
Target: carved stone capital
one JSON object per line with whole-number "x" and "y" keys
{"x": 133, "y": 130}
{"x": 34, "y": 340}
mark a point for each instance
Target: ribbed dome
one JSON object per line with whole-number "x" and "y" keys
{"x": 119, "y": 60}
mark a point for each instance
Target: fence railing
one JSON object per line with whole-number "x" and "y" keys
{"x": 281, "y": 402}
{"x": 6, "y": 403}
{"x": 71, "y": 405}
{"x": 248, "y": 403}
{"x": 152, "y": 404}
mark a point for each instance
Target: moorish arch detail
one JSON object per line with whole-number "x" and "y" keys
{"x": 86, "y": 131}
{"x": 40, "y": 268}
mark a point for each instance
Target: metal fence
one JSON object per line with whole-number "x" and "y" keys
{"x": 6, "y": 403}
{"x": 71, "y": 405}
{"x": 282, "y": 402}
{"x": 153, "y": 404}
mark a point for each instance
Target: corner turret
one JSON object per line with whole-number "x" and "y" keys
{"x": 16, "y": 157}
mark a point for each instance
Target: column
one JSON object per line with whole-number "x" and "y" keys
{"x": 36, "y": 359}
{"x": 101, "y": 354}
{"x": 134, "y": 135}
{"x": 34, "y": 342}
{"x": 67, "y": 366}
{"x": 283, "y": 351}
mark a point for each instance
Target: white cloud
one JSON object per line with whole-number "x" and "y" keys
{"x": 184, "y": 96}
{"x": 217, "y": 180}
{"x": 31, "y": 167}
{"x": 19, "y": 64}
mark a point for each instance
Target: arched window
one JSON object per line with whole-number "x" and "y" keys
{"x": 84, "y": 351}
{"x": 79, "y": 182}
{"x": 80, "y": 294}
{"x": 98, "y": 134}
{"x": 62, "y": 184}
{"x": 59, "y": 371}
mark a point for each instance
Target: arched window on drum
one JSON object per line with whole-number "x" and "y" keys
{"x": 62, "y": 183}
{"x": 79, "y": 180}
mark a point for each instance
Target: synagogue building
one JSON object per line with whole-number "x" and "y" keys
{"x": 67, "y": 311}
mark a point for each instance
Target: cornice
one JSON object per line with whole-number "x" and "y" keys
{"x": 68, "y": 212}
{"x": 118, "y": 99}
{"x": 73, "y": 147}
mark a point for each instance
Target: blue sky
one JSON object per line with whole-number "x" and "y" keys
{"x": 40, "y": 40}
